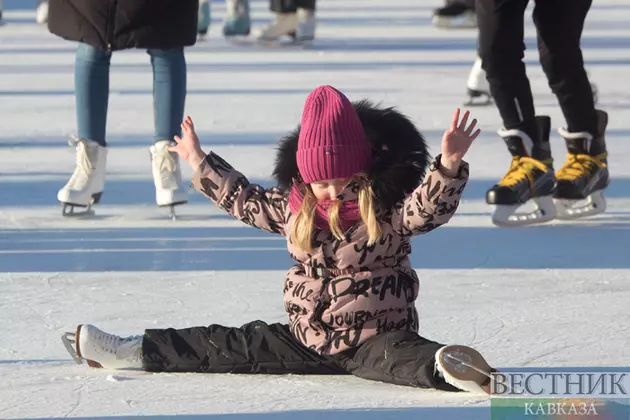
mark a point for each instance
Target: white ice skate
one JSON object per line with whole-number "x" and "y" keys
{"x": 41, "y": 15}
{"x": 477, "y": 86}
{"x": 306, "y": 25}
{"x": 464, "y": 368}
{"x": 167, "y": 177}
{"x": 86, "y": 184}
{"x": 102, "y": 350}
{"x": 285, "y": 24}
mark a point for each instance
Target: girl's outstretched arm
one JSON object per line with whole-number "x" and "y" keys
{"x": 436, "y": 199}
{"x": 228, "y": 188}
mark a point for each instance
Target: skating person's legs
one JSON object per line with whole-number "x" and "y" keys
{"x": 91, "y": 84}
{"x": 559, "y": 24}
{"x": 585, "y": 172}
{"x": 169, "y": 91}
{"x": 530, "y": 175}
{"x": 169, "y": 97}
{"x": 502, "y": 49}
{"x": 237, "y": 21}
{"x": 405, "y": 358}
{"x": 204, "y": 17}
{"x": 91, "y": 79}
{"x": 256, "y": 347}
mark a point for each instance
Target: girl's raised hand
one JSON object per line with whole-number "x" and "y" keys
{"x": 188, "y": 146}
{"x": 456, "y": 141}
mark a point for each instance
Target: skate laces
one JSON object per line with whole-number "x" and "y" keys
{"x": 522, "y": 167}
{"x": 578, "y": 165}
{"x": 122, "y": 348}
{"x": 166, "y": 166}
{"x": 84, "y": 161}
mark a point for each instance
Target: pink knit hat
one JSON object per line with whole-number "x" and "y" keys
{"x": 332, "y": 142}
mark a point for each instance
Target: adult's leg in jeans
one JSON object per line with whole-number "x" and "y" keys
{"x": 501, "y": 48}
{"x": 396, "y": 357}
{"x": 560, "y": 24}
{"x": 91, "y": 84}
{"x": 255, "y": 347}
{"x": 169, "y": 91}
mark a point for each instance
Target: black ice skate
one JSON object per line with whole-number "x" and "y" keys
{"x": 584, "y": 176}
{"x": 530, "y": 178}
{"x": 455, "y": 15}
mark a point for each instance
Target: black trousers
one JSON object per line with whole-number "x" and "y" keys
{"x": 559, "y": 25}
{"x": 290, "y": 6}
{"x": 466, "y": 3}
{"x": 396, "y": 357}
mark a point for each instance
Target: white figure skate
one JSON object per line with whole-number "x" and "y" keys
{"x": 464, "y": 368}
{"x": 167, "y": 177}
{"x": 41, "y": 14}
{"x": 477, "y": 86}
{"x": 102, "y": 350}
{"x": 86, "y": 184}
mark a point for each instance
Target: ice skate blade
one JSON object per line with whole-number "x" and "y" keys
{"x": 68, "y": 208}
{"x": 507, "y": 216}
{"x": 171, "y": 208}
{"x": 69, "y": 340}
{"x": 478, "y": 102}
{"x": 229, "y": 32}
{"x": 571, "y": 209}
{"x": 464, "y": 368}
{"x": 465, "y": 20}
{"x": 478, "y": 98}
{"x": 270, "y": 43}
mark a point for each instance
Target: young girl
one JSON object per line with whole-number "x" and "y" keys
{"x": 352, "y": 191}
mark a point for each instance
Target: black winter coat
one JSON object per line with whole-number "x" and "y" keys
{"x": 122, "y": 24}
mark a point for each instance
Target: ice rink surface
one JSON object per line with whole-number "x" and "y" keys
{"x": 554, "y": 295}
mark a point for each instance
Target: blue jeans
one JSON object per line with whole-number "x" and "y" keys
{"x": 91, "y": 81}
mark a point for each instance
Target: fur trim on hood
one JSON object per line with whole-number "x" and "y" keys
{"x": 400, "y": 151}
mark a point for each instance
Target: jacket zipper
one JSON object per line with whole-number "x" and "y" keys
{"x": 109, "y": 27}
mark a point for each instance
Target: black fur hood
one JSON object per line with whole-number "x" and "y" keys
{"x": 400, "y": 152}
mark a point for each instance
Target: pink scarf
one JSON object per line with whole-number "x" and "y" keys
{"x": 349, "y": 212}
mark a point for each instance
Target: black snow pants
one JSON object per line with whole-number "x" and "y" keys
{"x": 396, "y": 357}
{"x": 559, "y": 25}
{"x": 290, "y": 6}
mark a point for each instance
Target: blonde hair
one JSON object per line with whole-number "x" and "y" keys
{"x": 304, "y": 224}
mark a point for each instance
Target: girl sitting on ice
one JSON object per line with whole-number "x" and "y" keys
{"x": 352, "y": 191}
